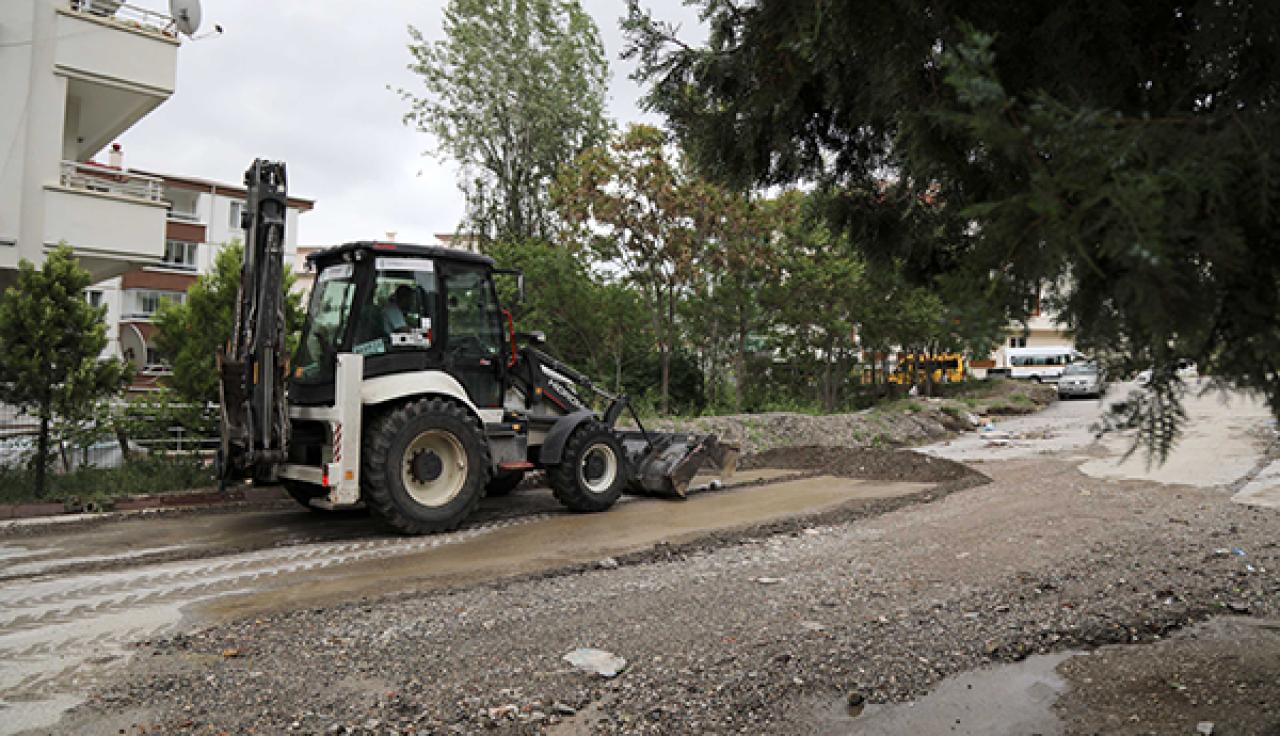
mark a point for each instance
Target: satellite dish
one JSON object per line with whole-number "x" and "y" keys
{"x": 186, "y": 14}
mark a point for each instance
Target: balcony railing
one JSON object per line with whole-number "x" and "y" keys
{"x": 94, "y": 178}
{"x": 129, "y": 16}
{"x": 181, "y": 216}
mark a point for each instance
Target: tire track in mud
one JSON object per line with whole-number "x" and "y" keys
{"x": 62, "y": 631}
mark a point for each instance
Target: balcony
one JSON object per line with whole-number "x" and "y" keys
{"x": 193, "y": 218}
{"x": 125, "y": 15}
{"x": 95, "y": 178}
{"x": 120, "y": 63}
{"x": 115, "y": 220}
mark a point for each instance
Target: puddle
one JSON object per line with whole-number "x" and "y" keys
{"x": 1008, "y": 699}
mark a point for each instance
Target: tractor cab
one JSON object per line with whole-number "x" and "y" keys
{"x": 404, "y": 308}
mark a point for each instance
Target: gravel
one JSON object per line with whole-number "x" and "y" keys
{"x": 882, "y": 605}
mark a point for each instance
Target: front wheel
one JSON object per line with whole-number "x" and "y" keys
{"x": 424, "y": 467}
{"x": 591, "y": 473}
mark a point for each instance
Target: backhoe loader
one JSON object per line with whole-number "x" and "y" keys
{"x": 411, "y": 392}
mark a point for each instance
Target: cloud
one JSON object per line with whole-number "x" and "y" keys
{"x": 307, "y": 83}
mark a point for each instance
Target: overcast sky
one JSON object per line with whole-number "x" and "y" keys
{"x": 305, "y": 81}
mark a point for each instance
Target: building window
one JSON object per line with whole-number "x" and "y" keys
{"x": 94, "y": 297}
{"x": 236, "y": 209}
{"x": 180, "y": 254}
{"x": 147, "y": 301}
{"x": 1017, "y": 342}
{"x": 155, "y": 362}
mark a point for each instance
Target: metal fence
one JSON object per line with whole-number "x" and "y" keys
{"x": 93, "y": 446}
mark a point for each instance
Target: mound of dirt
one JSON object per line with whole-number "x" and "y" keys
{"x": 902, "y": 423}
{"x": 867, "y": 463}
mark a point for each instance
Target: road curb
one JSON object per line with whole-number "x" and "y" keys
{"x": 193, "y": 499}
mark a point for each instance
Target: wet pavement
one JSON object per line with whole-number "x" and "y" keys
{"x": 73, "y": 601}
{"x": 1222, "y": 442}
{"x": 1014, "y": 698}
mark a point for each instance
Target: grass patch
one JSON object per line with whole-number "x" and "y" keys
{"x": 98, "y": 486}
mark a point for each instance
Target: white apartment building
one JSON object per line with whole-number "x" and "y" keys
{"x": 74, "y": 75}
{"x": 202, "y": 218}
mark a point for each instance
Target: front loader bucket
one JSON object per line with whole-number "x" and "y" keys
{"x": 663, "y": 464}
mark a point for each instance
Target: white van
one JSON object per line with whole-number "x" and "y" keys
{"x": 1041, "y": 364}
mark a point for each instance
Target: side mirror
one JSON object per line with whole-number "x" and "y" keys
{"x": 533, "y": 338}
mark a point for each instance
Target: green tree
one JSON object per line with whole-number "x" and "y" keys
{"x": 1126, "y": 151}
{"x": 595, "y": 324}
{"x": 50, "y": 343}
{"x": 724, "y": 310}
{"x": 637, "y": 207}
{"x": 189, "y": 334}
{"x": 514, "y": 90}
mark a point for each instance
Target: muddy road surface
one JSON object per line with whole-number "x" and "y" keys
{"x": 74, "y": 601}
{"x": 838, "y": 592}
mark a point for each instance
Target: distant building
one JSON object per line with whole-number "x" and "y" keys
{"x": 74, "y": 75}
{"x": 202, "y": 217}
{"x": 1042, "y": 330}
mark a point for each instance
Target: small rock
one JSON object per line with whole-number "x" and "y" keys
{"x": 607, "y": 563}
{"x": 1205, "y": 728}
{"x": 230, "y": 652}
{"x": 855, "y": 699}
{"x": 769, "y": 581}
{"x": 563, "y": 709}
{"x": 596, "y": 661}
{"x": 1238, "y": 607}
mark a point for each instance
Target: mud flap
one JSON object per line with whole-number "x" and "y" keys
{"x": 664, "y": 464}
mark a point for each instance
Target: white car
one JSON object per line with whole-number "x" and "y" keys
{"x": 1187, "y": 371}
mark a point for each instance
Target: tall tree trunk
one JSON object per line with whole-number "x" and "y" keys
{"x": 668, "y": 344}
{"x": 123, "y": 439}
{"x": 42, "y": 454}
{"x": 740, "y": 360}
{"x": 617, "y": 369}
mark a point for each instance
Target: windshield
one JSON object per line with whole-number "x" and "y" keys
{"x": 1079, "y": 370}
{"x": 326, "y": 323}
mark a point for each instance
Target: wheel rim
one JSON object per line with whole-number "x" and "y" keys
{"x": 598, "y": 468}
{"x": 421, "y": 458}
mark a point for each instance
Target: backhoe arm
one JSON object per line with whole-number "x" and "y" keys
{"x": 253, "y": 366}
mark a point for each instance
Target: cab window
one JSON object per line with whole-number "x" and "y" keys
{"x": 399, "y": 311}
{"x": 474, "y": 325}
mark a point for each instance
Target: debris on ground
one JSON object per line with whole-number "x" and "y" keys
{"x": 596, "y": 661}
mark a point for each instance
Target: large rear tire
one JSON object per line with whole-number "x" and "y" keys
{"x": 425, "y": 466}
{"x": 592, "y": 470}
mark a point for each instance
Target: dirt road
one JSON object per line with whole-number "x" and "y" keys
{"x": 765, "y": 609}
